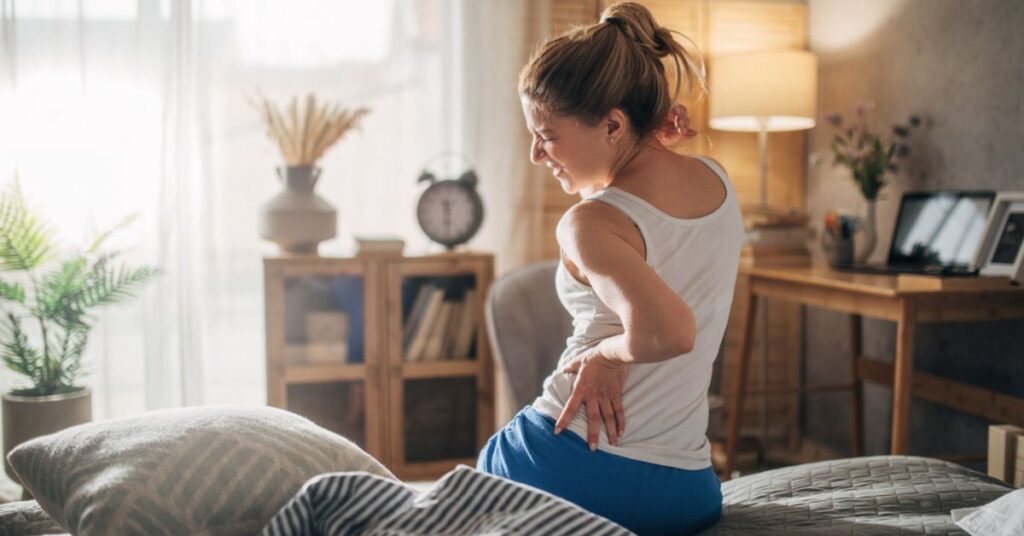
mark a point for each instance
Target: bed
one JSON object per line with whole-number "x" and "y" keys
{"x": 863, "y": 496}
{"x": 153, "y": 470}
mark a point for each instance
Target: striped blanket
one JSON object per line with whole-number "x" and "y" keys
{"x": 463, "y": 502}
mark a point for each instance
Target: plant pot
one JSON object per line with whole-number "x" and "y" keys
{"x": 28, "y": 417}
{"x": 297, "y": 219}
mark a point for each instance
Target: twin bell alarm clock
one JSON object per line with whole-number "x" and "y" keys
{"x": 449, "y": 210}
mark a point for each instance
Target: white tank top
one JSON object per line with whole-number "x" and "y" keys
{"x": 666, "y": 403}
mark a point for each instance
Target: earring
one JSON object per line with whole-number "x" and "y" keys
{"x": 611, "y": 139}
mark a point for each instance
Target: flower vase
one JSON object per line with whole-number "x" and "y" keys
{"x": 297, "y": 219}
{"x": 867, "y": 233}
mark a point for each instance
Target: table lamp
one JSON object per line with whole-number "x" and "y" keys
{"x": 772, "y": 91}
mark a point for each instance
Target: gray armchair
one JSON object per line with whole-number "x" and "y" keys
{"x": 527, "y": 327}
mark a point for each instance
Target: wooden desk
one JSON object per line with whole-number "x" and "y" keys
{"x": 906, "y": 300}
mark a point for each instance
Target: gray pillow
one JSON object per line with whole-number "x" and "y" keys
{"x": 203, "y": 470}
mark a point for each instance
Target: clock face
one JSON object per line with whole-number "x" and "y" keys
{"x": 450, "y": 212}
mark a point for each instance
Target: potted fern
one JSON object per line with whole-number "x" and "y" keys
{"x": 44, "y": 319}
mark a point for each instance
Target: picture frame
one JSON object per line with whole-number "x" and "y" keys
{"x": 1001, "y": 251}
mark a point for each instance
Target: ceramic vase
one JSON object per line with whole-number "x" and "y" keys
{"x": 297, "y": 219}
{"x": 867, "y": 234}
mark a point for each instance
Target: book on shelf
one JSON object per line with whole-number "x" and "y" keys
{"x": 435, "y": 341}
{"x": 425, "y": 325}
{"x": 386, "y": 246}
{"x": 466, "y": 327}
{"x": 415, "y": 314}
{"x": 450, "y": 334}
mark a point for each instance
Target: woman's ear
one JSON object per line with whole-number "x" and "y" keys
{"x": 616, "y": 123}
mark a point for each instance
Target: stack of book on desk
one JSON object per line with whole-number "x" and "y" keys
{"x": 777, "y": 245}
{"x": 441, "y": 325}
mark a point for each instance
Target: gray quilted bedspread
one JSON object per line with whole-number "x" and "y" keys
{"x": 872, "y": 495}
{"x": 25, "y": 518}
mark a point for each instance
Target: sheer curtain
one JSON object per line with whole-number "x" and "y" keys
{"x": 116, "y": 107}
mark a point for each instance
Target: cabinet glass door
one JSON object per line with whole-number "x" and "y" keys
{"x": 324, "y": 320}
{"x": 339, "y": 406}
{"x": 322, "y": 359}
{"x": 440, "y": 420}
{"x": 439, "y": 399}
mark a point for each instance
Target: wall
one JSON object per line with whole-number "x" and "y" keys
{"x": 957, "y": 63}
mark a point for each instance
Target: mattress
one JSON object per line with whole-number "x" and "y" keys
{"x": 862, "y": 496}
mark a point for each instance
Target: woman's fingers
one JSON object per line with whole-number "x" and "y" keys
{"x": 608, "y": 415}
{"x": 620, "y": 415}
{"x": 571, "y": 407}
{"x": 572, "y": 367}
{"x": 593, "y": 424}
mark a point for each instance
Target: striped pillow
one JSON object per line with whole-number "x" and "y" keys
{"x": 463, "y": 502}
{"x": 213, "y": 470}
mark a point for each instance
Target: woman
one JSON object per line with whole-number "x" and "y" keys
{"x": 649, "y": 259}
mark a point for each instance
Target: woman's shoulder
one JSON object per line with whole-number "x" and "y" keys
{"x": 707, "y": 159}
{"x": 596, "y": 223}
{"x": 588, "y": 217}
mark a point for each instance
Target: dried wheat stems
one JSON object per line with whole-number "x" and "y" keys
{"x": 304, "y": 133}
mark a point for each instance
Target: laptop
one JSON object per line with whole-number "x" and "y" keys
{"x": 935, "y": 233}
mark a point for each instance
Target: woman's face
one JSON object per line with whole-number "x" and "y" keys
{"x": 580, "y": 156}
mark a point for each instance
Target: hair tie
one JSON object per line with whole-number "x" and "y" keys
{"x": 615, "y": 21}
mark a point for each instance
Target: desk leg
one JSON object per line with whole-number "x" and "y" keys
{"x": 857, "y": 394}
{"x": 902, "y": 383}
{"x": 739, "y": 386}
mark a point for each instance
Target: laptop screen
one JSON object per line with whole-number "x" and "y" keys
{"x": 939, "y": 227}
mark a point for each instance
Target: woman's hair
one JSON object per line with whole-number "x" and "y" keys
{"x": 615, "y": 63}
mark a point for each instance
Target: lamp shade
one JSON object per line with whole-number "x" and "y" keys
{"x": 774, "y": 91}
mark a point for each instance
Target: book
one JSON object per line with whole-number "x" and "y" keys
{"x": 450, "y": 334}
{"x": 768, "y": 256}
{"x": 466, "y": 328}
{"x": 774, "y": 251}
{"x": 415, "y": 314}
{"x": 423, "y": 327}
{"x": 435, "y": 342}
{"x": 379, "y": 246}
{"x": 779, "y": 236}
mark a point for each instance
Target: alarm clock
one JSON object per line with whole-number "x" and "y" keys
{"x": 450, "y": 210}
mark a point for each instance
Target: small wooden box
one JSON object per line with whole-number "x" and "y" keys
{"x": 325, "y": 327}
{"x": 1005, "y": 446}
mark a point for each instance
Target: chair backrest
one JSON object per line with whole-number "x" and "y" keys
{"x": 528, "y": 327}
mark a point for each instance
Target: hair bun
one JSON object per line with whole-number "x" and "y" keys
{"x": 638, "y": 25}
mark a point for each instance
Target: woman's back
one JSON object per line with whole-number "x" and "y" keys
{"x": 665, "y": 402}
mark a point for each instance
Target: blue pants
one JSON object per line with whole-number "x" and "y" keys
{"x": 645, "y": 498}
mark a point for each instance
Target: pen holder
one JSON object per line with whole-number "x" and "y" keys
{"x": 838, "y": 251}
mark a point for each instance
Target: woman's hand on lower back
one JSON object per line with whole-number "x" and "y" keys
{"x": 598, "y": 387}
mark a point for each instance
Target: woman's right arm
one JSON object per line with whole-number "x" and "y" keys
{"x": 657, "y": 323}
